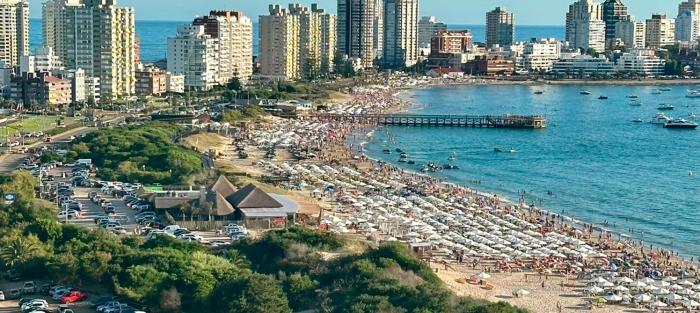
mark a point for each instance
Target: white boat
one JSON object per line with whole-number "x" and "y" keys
{"x": 661, "y": 118}
{"x": 453, "y": 156}
{"x": 666, "y": 107}
{"x": 680, "y": 124}
{"x": 693, "y": 94}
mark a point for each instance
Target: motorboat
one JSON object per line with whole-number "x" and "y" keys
{"x": 656, "y": 92}
{"x": 539, "y": 92}
{"x": 399, "y": 150}
{"x": 453, "y": 156}
{"x": 665, "y": 89}
{"x": 661, "y": 118}
{"x": 680, "y": 124}
{"x": 603, "y": 98}
{"x": 497, "y": 150}
{"x": 386, "y": 151}
{"x": 637, "y": 120}
{"x": 512, "y": 151}
{"x": 693, "y": 94}
{"x": 450, "y": 167}
{"x": 635, "y": 103}
{"x": 666, "y": 107}
{"x": 411, "y": 162}
{"x": 585, "y": 93}
{"x": 632, "y": 97}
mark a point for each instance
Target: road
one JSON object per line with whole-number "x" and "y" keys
{"x": 12, "y": 161}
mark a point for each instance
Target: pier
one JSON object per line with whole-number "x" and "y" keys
{"x": 427, "y": 120}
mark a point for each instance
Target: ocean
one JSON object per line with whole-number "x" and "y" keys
{"x": 154, "y": 35}
{"x": 593, "y": 162}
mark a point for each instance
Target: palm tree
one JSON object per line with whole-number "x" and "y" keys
{"x": 236, "y": 258}
{"x": 17, "y": 251}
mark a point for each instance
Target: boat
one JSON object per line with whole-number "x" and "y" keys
{"x": 680, "y": 124}
{"x": 693, "y": 94}
{"x": 632, "y": 97}
{"x": 656, "y": 92}
{"x": 497, "y": 150}
{"x": 450, "y": 167}
{"x": 403, "y": 160}
{"x": 661, "y": 118}
{"x": 666, "y": 107}
{"x": 512, "y": 151}
{"x": 399, "y": 150}
{"x": 386, "y": 151}
{"x": 585, "y": 93}
{"x": 635, "y": 103}
{"x": 692, "y": 116}
{"x": 411, "y": 162}
{"x": 665, "y": 89}
{"x": 539, "y": 92}
{"x": 453, "y": 156}
{"x": 637, "y": 120}
{"x": 603, "y": 98}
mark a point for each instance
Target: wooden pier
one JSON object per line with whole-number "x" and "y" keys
{"x": 472, "y": 121}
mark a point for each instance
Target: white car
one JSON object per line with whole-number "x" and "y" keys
{"x": 171, "y": 228}
{"x": 157, "y": 232}
{"x": 108, "y": 306}
{"x": 119, "y": 230}
{"x": 190, "y": 237}
{"x": 35, "y": 305}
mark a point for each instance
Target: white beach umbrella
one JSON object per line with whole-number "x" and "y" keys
{"x": 625, "y": 280}
{"x": 685, "y": 292}
{"x": 607, "y": 285}
{"x": 521, "y": 292}
{"x": 613, "y": 298}
{"x": 637, "y": 284}
{"x": 659, "y": 304}
{"x": 685, "y": 283}
{"x": 670, "y": 279}
{"x": 662, "y": 284}
{"x": 675, "y": 287}
{"x": 661, "y": 291}
{"x": 620, "y": 289}
{"x": 595, "y": 290}
{"x": 482, "y": 275}
{"x": 598, "y": 280}
{"x": 643, "y": 298}
{"x": 647, "y": 280}
{"x": 690, "y": 304}
{"x": 673, "y": 298}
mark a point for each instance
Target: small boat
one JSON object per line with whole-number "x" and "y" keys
{"x": 635, "y": 103}
{"x": 403, "y": 160}
{"x": 585, "y": 93}
{"x": 411, "y": 162}
{"x": 665, "y": 89}
{"x": 539, "y": 92}
{"x": 666, "y": 107}
{"x": 637, "y": 120}
{"x": 602, "y": 98}
{"x": 512, "y": 151}
{"x": 693, "y": 94}
{"x": 661, "y": 118}
{"x": 680, "y": 124}
{"x": 399, "y": 150}
{"x": 692, "y": 116}
{"x": 386, "y": 151}
{"x": 453, "y": 156}
{"x": 656, "y": 92}
{"x": 497, "y": 150}
{"x": 632, "y": 97}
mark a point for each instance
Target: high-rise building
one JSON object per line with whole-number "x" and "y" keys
{"x": 298, "y": 42}
{"x": 660, "y": 31}
{"x": 194, "y": 54}
{"x": 96, "y": 36}
{"x": 428, "y": 26}
{"x": 687, "y": 27}
{"x": 500, "y": 27}
{"x": 14, "y": 30}
{"x": 448, "y": 42}
{"x": 632, "y": 34}
{"x": 234, "y": 31}
{"x": 585, "y": 27}
{"x": 540, "y": 55}
{"x": 613, "y": 11}
{"x": 44, "y": 60}
{"x": 400, "y": 33}
{"x": 360, "y": 30}
{"x": 279, "y": 44}
{"x": 689, "y": 5}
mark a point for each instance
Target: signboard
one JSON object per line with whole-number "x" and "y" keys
{"x": 9, "y": 198}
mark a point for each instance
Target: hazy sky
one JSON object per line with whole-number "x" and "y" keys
{"x": 527, "y": 12}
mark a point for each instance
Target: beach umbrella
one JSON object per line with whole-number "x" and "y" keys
{"x": 613, "y": 298}
{"x": 595, "y": 290}
{"x": 675, "y": 287}
{"x": 659, "y": 304}
{"x": 637, "y": 284}
{"x": 643, "y": 298}
{"x": 690, "y": 304}
{"x": 598, "y": 280}
{"x": 685, "y": 283}
{"x": 607, "y": 285}
{"x": 600, "y": 300}
{"x": 625, "y": 280}
{"x": 620, "y": 289}
{"x": 482, "y": 275}
{"x": 647, "y": 280}
{"x": 661, "y": 291}
{"x": 662, "y": 284}
{"x": 521, "y": 292}
{"x": 696, "y": 287}
{"x": 695, "y": 296}
{"x": 673, "y": 298}
{"x": 670, "y": 279}
{"x": 685, "y": 292}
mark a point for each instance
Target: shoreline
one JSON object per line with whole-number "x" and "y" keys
{"x": 484, "y": 81}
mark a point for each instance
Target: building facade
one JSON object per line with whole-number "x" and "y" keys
{"x": 234, "y": 32}
{"x": 632, "y": 34}
{"x": 40, "y": 90}
{"x": 175, "y": 83}
{"x": 689, "y": 5}
{"x": 660, "y": 31}
{"x": 279, "y": 44}
{"x": 14, "y": 30}
{"x": 400, "y": 34}
{"x": 44, "y": 60}
{"x": 428, "y": 26}
{"x": 490, "y": 66}
{"x": 456, "y": 41}
{"x": 585, "y": 28}
{"x": 151, "y": 81}
{"x": 614, "y": 11}
{"x": 641, "y": 62}
{"x": 540, "y": 55}
{"x": 360, "y": 30}
{"x": 687, "y": 27}
{"x": 98, "y": 37}
{"x": 500, "y": 27}
{"x": 195, "y": 55}
{"x": 583, "y": 66}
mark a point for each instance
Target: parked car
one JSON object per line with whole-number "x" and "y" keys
{"x": 13, "y": 294}
{"x": 73, "y": 296}
{"x": 100, "y": 301}
{"x": 29, "y": 288}
{"x": 2, "y": 296}
{"x": 34, "y": 305}
{"x": 64, "y": 308}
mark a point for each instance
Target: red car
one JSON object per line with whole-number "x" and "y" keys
{"x": 73, "y": 296}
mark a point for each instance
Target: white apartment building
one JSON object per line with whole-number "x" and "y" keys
{"x": 687, "y": 27}
{"x": 582, "y": 65}
{"x": 585, "y": 27}
{"x": 427, "y": 27}
{"x": 14, "y": 30}
{"x": 234, "y": 32}
{"x": 640, "y": 61}
{"x": 44, "y": 60}
{"x": 280, "y": 44}
{"x": 175, "y": 83}
{"x": 660, "y": 31}
{"x": 541, "y": 55}
{"x": 400, "y": 33}
{"x": 195, "y": 55}
{"x": 632, "y": 33}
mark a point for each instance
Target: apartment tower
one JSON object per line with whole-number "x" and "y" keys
{"x": 585, "y": 27}
{"x": 234, "y": 32}
{"x": 360, "y": 30}
{"x": 500, "y": 27}
{"x": 14, "y": 30}
{"x": 400, "y": 33}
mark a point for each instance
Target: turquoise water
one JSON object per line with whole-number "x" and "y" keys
{"x": 597, "y": 164}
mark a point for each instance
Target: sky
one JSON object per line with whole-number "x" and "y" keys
{"x": 527, "y": 12}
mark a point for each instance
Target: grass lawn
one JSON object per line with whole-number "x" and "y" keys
{"x": 36, "y": 124}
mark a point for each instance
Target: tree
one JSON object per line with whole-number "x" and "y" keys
{"x": 254, "y": 293}
{"x": 170, "y": 301}
{"x": 17, "y": 250}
